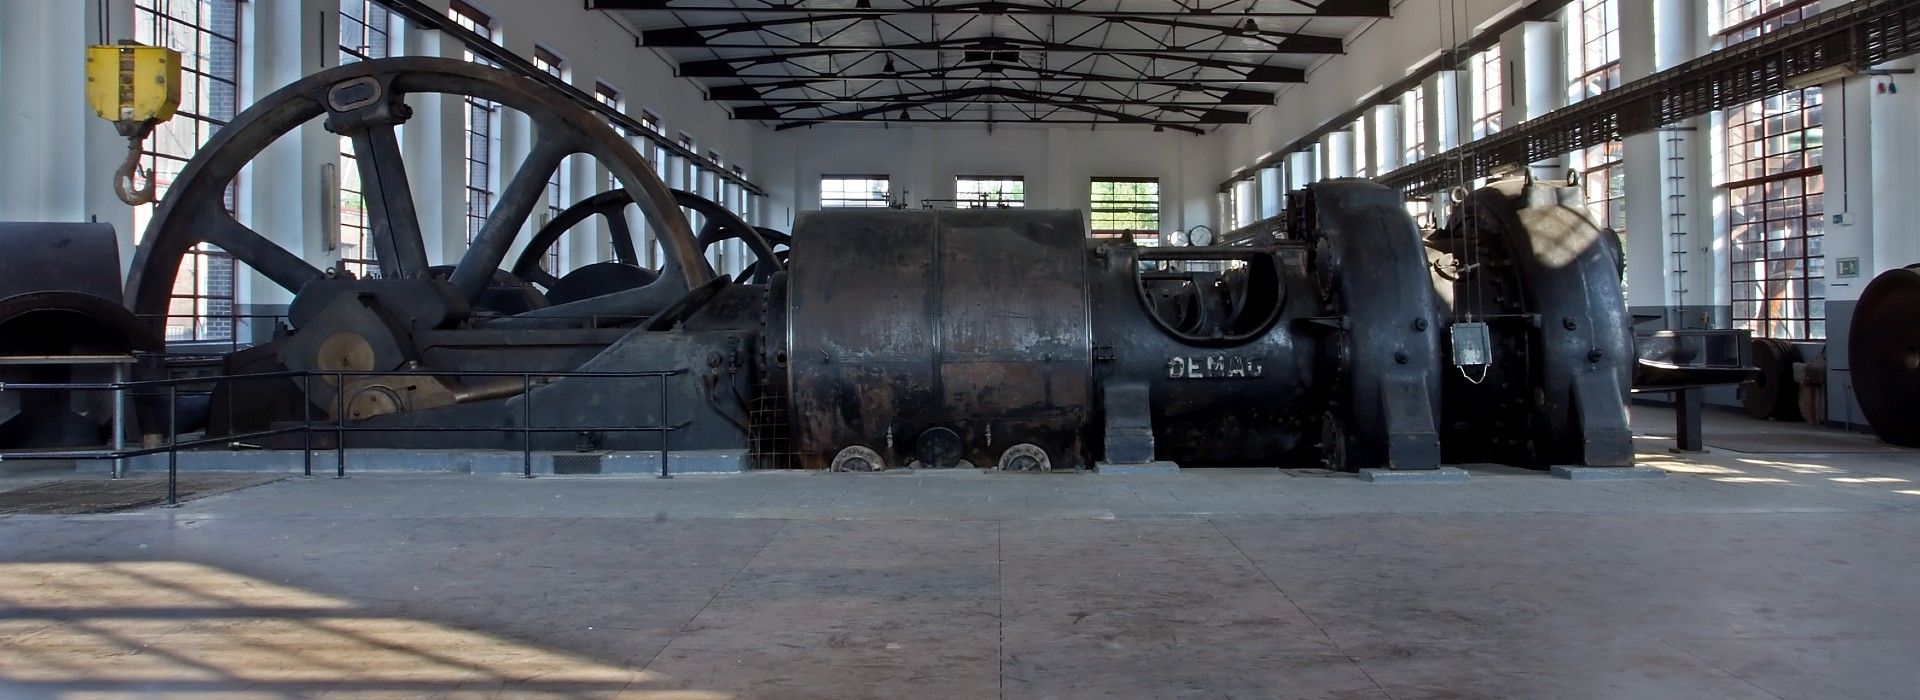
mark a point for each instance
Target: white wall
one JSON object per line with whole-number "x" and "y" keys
{"x": 1058, "y": 164}
{"x": 1378, "y": 54}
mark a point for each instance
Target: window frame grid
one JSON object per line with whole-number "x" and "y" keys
{"x": 842, "y": 197}
{"x": 1414, "y": 134}
{"x": 1775, "y": 186}
{"x": 982, "y": 197}
{"x": 1114, "y": 208}
{"x": 1594, "y": 77}
{"x": 1488, "y": 71}
{"x": 356, "y": 229}
{"x": 209, "y": 273}
{"x": 479, "y": 118}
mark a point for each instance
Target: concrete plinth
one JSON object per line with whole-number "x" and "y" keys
{"x": 1574, "y": 473}
{"x": 436, "y": 461}
{"x": 1443, "y": 475}
{"x": 1140, "y": 468}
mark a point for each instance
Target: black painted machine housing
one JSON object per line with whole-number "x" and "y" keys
{"x": 992, "y": 337}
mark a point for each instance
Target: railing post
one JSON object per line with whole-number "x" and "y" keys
{"x": 666, "y": 429}
{"x": 119, "y": 419}
{"x": 173, "y": 442}
{"x": 339, "y": 426}
{"x": 526, "y": 425}
{"x": 306, "y": 423}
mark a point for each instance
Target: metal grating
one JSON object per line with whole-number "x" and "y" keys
{"x": 81, "y": 496}
{"x": 578, "y": 463}
{"x": 1858, "y": 34}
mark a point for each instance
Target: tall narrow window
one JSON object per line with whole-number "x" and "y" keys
{"x": 366, "y": 32}
{"x": 479, "y": 120}
{"x": 856, "y": 191}
{"x": 1775, "y": 186}
{"x": 1488, "y": 74}
{"x": 1603, "y": 177}
{"x": 1126, "y": 207}
{"x": 1595, "y": 68}
{"x": 1415, "y": 138}
{"x": 990, "y": 191}
{"x": 1362, "y": 164}
{"x": 549, "y": 62}
{"x": 1597, "y": 58}
{"x": 552, "y": 64}
{"x": 207, "y": 35}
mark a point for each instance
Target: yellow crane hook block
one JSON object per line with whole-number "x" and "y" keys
{"x": 136, "y": 87}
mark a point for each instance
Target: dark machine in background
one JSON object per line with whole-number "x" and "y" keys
{"x": 997, "y": 337}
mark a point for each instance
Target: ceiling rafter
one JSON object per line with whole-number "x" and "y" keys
{"x": 1161, "y": 118}
{"x": 1005, "y": 95}
{"x": 1324, "y": 8}
{"x": 1246, "y": 28}
{"x": 1181, "y": 64}
{"x": 1000, "y": 52}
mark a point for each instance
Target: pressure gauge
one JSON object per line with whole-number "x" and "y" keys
{"x": 1177, "y": 239}
{"x": 1200, "y": 236}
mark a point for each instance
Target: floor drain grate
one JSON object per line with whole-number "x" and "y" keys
{"x": 578, "y": 463}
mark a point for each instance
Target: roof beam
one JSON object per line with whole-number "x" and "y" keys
{"x": 1244, "y": 98}
{"x": 1288, "y": 43}
{"x": 1240, "y": 27}
{"x": 1324, "y": 8}
{"x": 1002, "y": 72}
{"x": 968, "y": 97}
{"x": 999, "y": 120}
{"x": 730, "y": 66}
{"x": 776, "y": 108}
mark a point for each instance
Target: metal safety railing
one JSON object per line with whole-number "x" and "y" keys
{"x": 339, "y": 425}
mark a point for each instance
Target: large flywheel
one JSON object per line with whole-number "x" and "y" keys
{"x": 1884, "y": 349}
{"x": 624, "y": 270}
{"x": 367, "y": 102}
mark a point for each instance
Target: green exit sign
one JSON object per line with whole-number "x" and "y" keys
{"x": 1849, "y": 267}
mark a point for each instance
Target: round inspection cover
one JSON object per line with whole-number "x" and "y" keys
{"x": 1025, "y": 457}
{"x": 1883, "y": 345}
{"x": 938, "y": 448}
{"x": 858, "y": 459}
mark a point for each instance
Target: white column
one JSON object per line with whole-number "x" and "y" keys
{"x": 1338, "y": 148}
{"x": 1246, "y": 202}
{"x": 1363, "y": 147}
{"x": 1271, "y": 194}
{"x": 283, "y": 193}
{"x": 1896, "y": 166}
{"x": 1447, "y": 107}
{"x": 1386, "y": 136}
{"x": 1544, "y": 85}
{"x": 1663, "y": 223}
{"x": 516, "y": 141}
{"x": 56, "y": 158}
{"x": 434, "y": 146}
{"x": 1301, "y": 169}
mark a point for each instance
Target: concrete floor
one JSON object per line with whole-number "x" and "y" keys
{"x": 1785, "y": 571}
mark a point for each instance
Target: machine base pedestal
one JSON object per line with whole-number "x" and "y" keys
{"x": 1573, "y": 473}
{"x": 1443, "y": 475}
{"x": 1139, "y": 468}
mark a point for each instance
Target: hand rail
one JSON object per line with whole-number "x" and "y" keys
{"x": 339, "y": 425}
